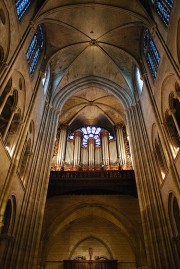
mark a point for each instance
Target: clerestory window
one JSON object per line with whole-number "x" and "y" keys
{"x": 151, "y": 53}
{"x": 35, "y": 49}
{"x": 21, "y": 7}
{"x": 163, "y": 8}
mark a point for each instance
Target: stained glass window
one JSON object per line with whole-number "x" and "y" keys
{"x": 90, "y": 131}
{"x": 163, "y": 8}
{"x": 34, "y": 50}
{"x": 151, "y": 53}
{"x": 21, "y": 7}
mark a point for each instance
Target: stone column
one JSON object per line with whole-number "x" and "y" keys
{"x": 77, "y": 148}
{"x": 155, "y": 228}
{"x": 120, "y": 144}
{"x": 105, "y": 147}
{"x": 62, "y": 146}
{"x": 23, "y": 251}
{"x": 91, "y": 153}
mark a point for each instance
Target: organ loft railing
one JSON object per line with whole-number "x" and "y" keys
{"x": 99, "y": 262}
{"x": 92, "y": 182}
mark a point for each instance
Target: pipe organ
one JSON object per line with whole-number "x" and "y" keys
{"x": 91, "y": 149}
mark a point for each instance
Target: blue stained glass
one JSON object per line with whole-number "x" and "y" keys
{"x": 34, "y": 50}
{"x": 154, "y": 51}
{"x": 34, "y": 61}
{"x": 146, "y": 39}
{"x": 163, "y": 12}
{"x": 170, "y": 2}
{"x": 152, "y": 54}
{"x": 31, "y": 48}
{"x": 163, "y": 8}
{"x": 151, "y": 65}
{"x": 21, "y": 7}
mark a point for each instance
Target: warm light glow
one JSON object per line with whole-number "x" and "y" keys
{"x": 174, "y": 150}
{"x": 163, "y": 175}
{"x": 10, "y": 151}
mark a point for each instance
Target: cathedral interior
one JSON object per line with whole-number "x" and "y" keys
{"x": 89, "y": 134}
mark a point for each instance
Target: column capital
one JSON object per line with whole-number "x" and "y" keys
{"x": 153, "y": 30}
{"x": 132, "y": 106}
{"x": 33, "y": 26}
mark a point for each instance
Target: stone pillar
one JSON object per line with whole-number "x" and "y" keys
{"x": 105, "y": 147}
{"x": 22, "y": 253}
{"x": 62, "y": 146}
{"x": 77, "y": 148}
{"x": 155, "y": 228}
{"x": 22, "y": 250}
{"x": 91, "y": 153}
{"x": 120, "y": 144}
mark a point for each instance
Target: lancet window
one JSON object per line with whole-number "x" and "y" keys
{"x": 151, "y": 54}
{"x": 21, "y": 7}
{"x": 35, "y": 49}
{"x": 163, "y": 9}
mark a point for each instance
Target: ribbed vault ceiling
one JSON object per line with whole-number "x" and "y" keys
{"x": 97, "y": 39}
{"x": 92, "y": 106}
